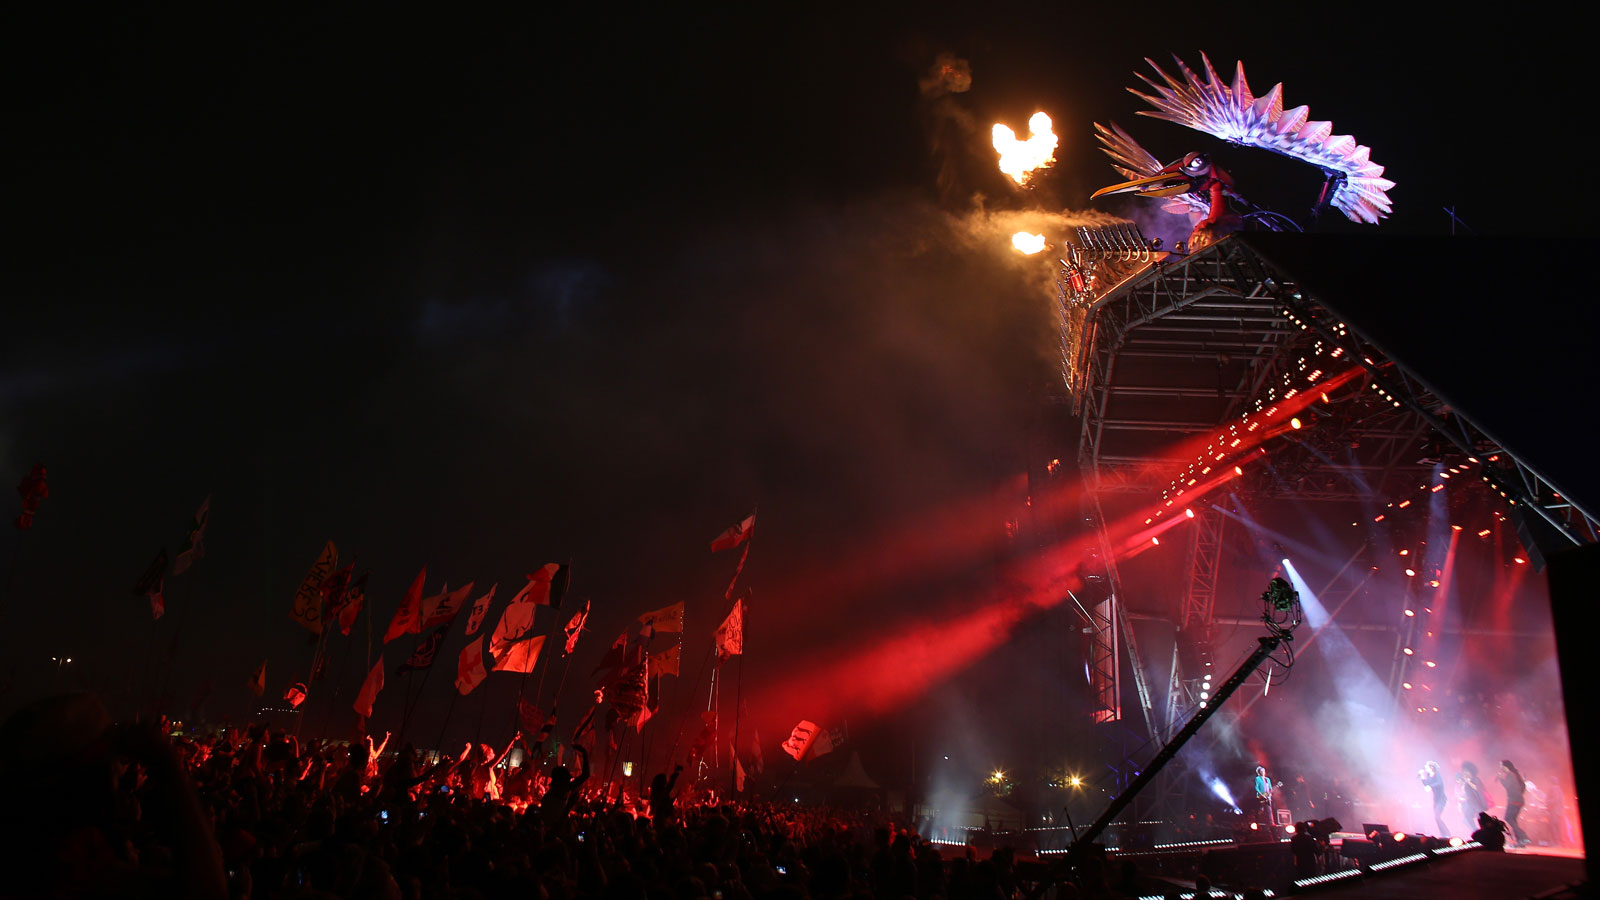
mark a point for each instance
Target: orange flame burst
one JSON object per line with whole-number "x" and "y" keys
{"x": 1019, "y": 159}
{"x": 1027, "y": 244}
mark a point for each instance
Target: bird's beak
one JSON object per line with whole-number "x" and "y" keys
{"x": 1161, "y": 184}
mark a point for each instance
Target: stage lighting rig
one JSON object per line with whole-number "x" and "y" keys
{"x": 1280, "y": 595}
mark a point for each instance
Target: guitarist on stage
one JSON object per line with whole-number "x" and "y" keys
{"x": 1264, "y": 788}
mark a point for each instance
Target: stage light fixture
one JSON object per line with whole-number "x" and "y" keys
{"x": 1189, "y": 513}
{"x": 1289, "y": 829}
{"x": 1254, "y": 826}
{"x": 1410, "y": 613}
{"x": 1408, "y": 651}
{"x": 1411, "y": 573}
{"x": 1431, "y": 664}
{"x": 1518, "y": 560}
{"x": 1406, "y": 685}
{"x": 1295, "y": 423}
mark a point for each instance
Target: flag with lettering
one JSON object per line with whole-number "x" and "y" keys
{"x": 442, "y": 608}
{"x": 575, "y": 627}
{"x": 480, "y": 608}
{"x": 193, "y": 546}
{"x": 469, "y": 667}
{"x": 730, "y": 634}
{"x": 667, "y": 618}
{"x": 408, "y": 617}
{"x": 518, "y": 656}
{"x": 800, "y": 739}
{"x": 308, "y": 597}
{"x": 369, "y": 690}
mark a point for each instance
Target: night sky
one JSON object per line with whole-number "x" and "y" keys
{"x": 485, "y": 294}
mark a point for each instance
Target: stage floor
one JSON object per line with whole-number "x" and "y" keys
{"x": 1478, "y": 875}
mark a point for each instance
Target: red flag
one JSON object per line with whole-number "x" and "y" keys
{"x": 616, "y": 656}
{"x": 422, "y": 656}
{"x": 738, "y": 774}
{"x": 295, "y": 694}
{"x": 575, "y": 626}
{"x": 469, "y": 668}
{"x": 369, "y": 690}
{"x": 354, "y": 596}
{"x": 730, "y": 634}
{"x": 545, "y": 586}
{"x": 480, "y": 608}
{"x": 440, "y": 609}
{"x": 531, "y": 718}
{"x": 518, "y": 656}
{"x": 735, "y": 535}
{"x": 517, "y": 620}
{"x": 258, "y": 681}
{"x": 334, "y": 590}
{"x": 408, "y": 618}
{"x": 800, "y": 739}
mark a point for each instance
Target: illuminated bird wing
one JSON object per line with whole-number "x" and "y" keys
{"x": 1233, "y": 113}
{"x": 1133, "y": 161}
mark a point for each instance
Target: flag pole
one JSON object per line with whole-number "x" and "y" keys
{"x": 682, "y": 719}
{"x": 738, "y": 688}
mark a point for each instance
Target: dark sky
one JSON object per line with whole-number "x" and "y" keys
{"x": 484, "y": 294}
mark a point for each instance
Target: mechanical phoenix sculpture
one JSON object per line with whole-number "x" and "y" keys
{"x": 1194, "y": 184}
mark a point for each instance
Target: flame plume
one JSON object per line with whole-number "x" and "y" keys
{"x": 1019, "y": 159}
{"x": 1027, "y": 244}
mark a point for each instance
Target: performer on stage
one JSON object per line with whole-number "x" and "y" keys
{"x": 1433, "y": 780}
{"x": 1470, "y": 792}
{"x": 1263, "y": 787}
{"x": 1516, "y": 791}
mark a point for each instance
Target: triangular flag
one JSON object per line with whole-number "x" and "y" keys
{"x": 519, "y": 656}
{"x": 422, "y": 656}
{"x": 735, "y": 535}
{"x": 666, "y": 662}
{"x": 480, "y": 608}
{"x": 469, "y": 667}
{"x": 800, "y": 739}
{"x": 408, "y": 617}
{"x": 193, "y": 548}
{"x": 354, "y": 596}
{"x": 730, "y": 634}
{"x": 369, "y": 690}
{"x": 738, "y": 774}
{"x": 667, "y": 618}
{"x": 575, "y": 627}
{"x": 440, "y": 609}
{"x": 308, "y": 597}
{"x": 295, "y": 694}
{"x": 615, "y": 656}
{"x": 258, "y": 681}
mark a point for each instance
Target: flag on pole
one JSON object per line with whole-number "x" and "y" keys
{"x": 295, "y": 694}
{"x": 151, "y": 583}
{"x": 823, "y": 743}
{"x": 480, "y": 608}
{"x": 546, "y": 586}
{"x": 666, "y": 662}
{"x": 532, "y": 720}
{"x": 350, "y": 606}
{"x": 516, "y": 621}
{"x": 734, "y": 535}
{"x": 442, "y": 608}
{"x": 193, "y": 546}
{"x": 667, "y": 618}
{"x": 422, "y": 656}
{"x": 334, "y": 589}
{"x": 258, "y": 681}
{"x": 730, "y": 634}
{"x": 575, "y": 627}
{"x": 615, "y": 657}
{"x": 308, "y": 597}
{"x": 738, "y": 774}
{"x": 800, "y": 739}
{"x": 469, "y": 667}
{"x": 370, "y": 689}
{"x": 408, "y": 617}
{"x": 518, "y": 656}
{"x": 755, "y": 750}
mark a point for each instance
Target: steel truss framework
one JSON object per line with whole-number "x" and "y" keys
{"x": 1187, "y": 344}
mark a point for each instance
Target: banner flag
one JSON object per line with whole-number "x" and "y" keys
{"x": 469, "y": 668}
{"x": 800, "y": 739}
{"x": 295, "y": 694}
{"x": 350, "y": 606}
{"x": 518, "y": 656}
{"x": 422, "y": 656}
{"x": 666, "y": 662}
{"x": 730, "y": 634}
{"x": 734, "y": 535}
{"x": 575, "y": 627}
{"x": 442, "y": 608}
{"x": 515, "y": 621}
{"x": 667, "y": 618}
{"x": 480, "y": 608}
{"x": 307, "y": 610}
{"x": 193, "y": 546}
{"x": 370, "y": 689}
{"x": 408, "y": 617}
{"x": 258, "y": 681}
